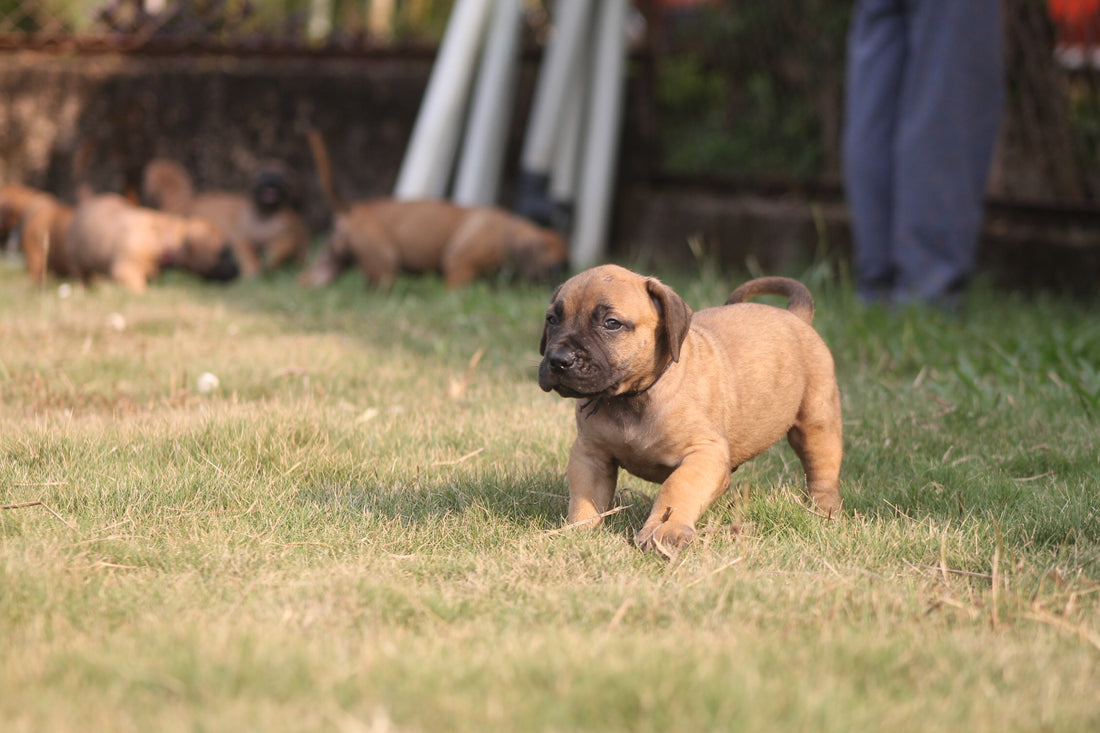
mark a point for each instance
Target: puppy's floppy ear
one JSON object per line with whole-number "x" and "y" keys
{"x": 674, "y": 312}
{"x": 546, "y": 326}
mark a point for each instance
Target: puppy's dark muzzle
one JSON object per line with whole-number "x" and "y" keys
{"x": 556, "y": 366}
{"x": 269, "y": 197}
{"x": 226, "y": 268}
{"x": 561, "y": 360}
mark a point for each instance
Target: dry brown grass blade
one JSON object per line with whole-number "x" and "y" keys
{"x": 665, "y": 552}
{"x": 1048, "y": 474}
{"x": 797, "y": 501}
{"x": 45, "y": 506}
{"x": 1084, "y": 633}
{"x": 944, "y": 570}
{"x": 719, "y": 569}
{"x": 589, "y": 521}
{"x": 994, "y": 618}
{"x": 971, "y": 612}
{"x": 548, "y": 493}
{"x": 103, "y": 564}
{"x": 457, "y": 387}
{"x": 24, "y": 505}
{"x": 456, "y": 461}
{"x": 617, "y": 617}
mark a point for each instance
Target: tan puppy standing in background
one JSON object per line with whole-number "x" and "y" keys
{"x": 265, "y": 230}
{"x": 109, "y": 236}
{"x": 15, "y": 201}
{"x": 385, "y": 237}
{"x": 682, "y": 399}
{"x": 41, "y": 223}
{"x": 43, "y": 238}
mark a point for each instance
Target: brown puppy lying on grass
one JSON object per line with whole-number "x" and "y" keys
{"x": 111, "y": 237}
{"x": 682, "y": 399}
{"x": 265, "y": 230}
{"x": 385, "y": 237}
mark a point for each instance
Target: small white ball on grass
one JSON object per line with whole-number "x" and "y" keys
{"x": 207, "y": 383}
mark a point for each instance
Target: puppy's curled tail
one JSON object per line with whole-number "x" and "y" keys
{"x": 799, "y": 300}
{"x": 324, "y": 170}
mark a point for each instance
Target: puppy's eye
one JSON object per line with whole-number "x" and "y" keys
{"x": 551, "y": 319}
{"x": 612, "y": 324}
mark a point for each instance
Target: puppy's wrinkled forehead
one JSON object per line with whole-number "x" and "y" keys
{"x": 604, "y": 288}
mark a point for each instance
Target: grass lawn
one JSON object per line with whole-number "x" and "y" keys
{"x": 358, "y": 527}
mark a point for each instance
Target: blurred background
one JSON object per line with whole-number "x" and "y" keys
{"x": 730, "y": 134}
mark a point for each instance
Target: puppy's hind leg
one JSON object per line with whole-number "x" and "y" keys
{"x": 131, "y": 276}
{"x": 379, "y": 267}
{"x": 818, "y": 441}
{"x": 378, "y": 258}
{"x": 469, "y": 253}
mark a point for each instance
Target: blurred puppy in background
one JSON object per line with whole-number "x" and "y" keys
{"x": 15, "y": 201}
{"x": 38, "y": 223}
{"x": 263, "y": 226}
{"x": 43, "y": 238}
{"x": 111, "y": 237}
{"x": 385, "y": 237}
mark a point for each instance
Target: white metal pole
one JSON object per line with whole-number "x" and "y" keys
{"x": 482, "y": 157}
{"x": 562, "y": 55}
{"x": 430, "y": 155}
{"x": 601, "y": 144}
{"x": 319, "y": 25}
{"x": 564, "y": 172}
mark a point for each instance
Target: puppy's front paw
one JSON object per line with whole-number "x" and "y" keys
{"x": 826, "y": 502}
{"x": 667, "y": 538}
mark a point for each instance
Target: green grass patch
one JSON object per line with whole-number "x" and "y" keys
{"x": 358, "y": 528}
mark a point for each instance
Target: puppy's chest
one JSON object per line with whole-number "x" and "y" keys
{"x": 638, "y": 443}
{"x": 261, "y": 228}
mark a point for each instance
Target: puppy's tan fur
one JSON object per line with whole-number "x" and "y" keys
{"x": 15, "y": 201}
{"x": 166, "y": 185}
{"x": 682, "y": 399}
{"x": 43, "y": 237}
{"x": 262, "y": 241}
{"x": 385, "y": 237}
{"x": 109, "y": 236}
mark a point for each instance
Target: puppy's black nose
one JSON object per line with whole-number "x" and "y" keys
{"x": 561, "y": 359}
